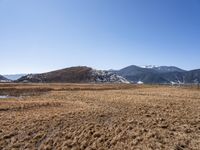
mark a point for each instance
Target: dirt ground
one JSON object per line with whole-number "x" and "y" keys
{"x": 103, "y": 117}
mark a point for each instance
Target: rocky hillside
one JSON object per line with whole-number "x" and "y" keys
{"x": 74, "y": 75}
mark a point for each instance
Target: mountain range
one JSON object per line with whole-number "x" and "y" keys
{"x": 79, "y": 74}
{"x": 131, "y": 74}
{"x": 159, "y": 75}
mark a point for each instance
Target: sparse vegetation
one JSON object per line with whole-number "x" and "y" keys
{"x": 99, "y": 116}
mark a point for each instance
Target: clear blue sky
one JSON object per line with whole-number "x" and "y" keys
{"x": 43, "y": 35}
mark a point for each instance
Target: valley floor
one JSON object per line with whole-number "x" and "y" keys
{"x": 62, "y": 117}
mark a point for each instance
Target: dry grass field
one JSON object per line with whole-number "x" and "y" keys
{"x": 104, "y": 117}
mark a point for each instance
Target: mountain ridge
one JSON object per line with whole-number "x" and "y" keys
{"x": 131, "y": 74}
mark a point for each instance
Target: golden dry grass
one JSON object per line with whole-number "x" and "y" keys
{"x": 74, "y": 116}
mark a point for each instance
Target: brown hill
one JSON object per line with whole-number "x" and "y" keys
{"x": 73, "y": 74}
{"x": 79, "y": 74}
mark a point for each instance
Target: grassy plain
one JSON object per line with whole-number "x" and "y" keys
{"x": 99, "y": 116}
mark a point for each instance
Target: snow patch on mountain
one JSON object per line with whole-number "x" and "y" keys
{"x": 150, "y": 66}
{"x": 101, "y": 76}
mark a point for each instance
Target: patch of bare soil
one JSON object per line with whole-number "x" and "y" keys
{"x": 132, "y": 118}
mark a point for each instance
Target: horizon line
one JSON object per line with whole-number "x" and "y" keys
{"x": 94, "y": 68}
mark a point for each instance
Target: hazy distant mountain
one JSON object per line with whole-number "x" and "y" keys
{"x": 3, "y": 79}
{"x": 159, "y": 74}
{"x": 14, "y": 76}
{"x": 75, "y": 75}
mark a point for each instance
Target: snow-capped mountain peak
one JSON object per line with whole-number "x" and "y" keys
{"x": 150, "y": 66}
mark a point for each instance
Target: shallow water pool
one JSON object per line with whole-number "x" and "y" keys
{"x": 4, "y": 96}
